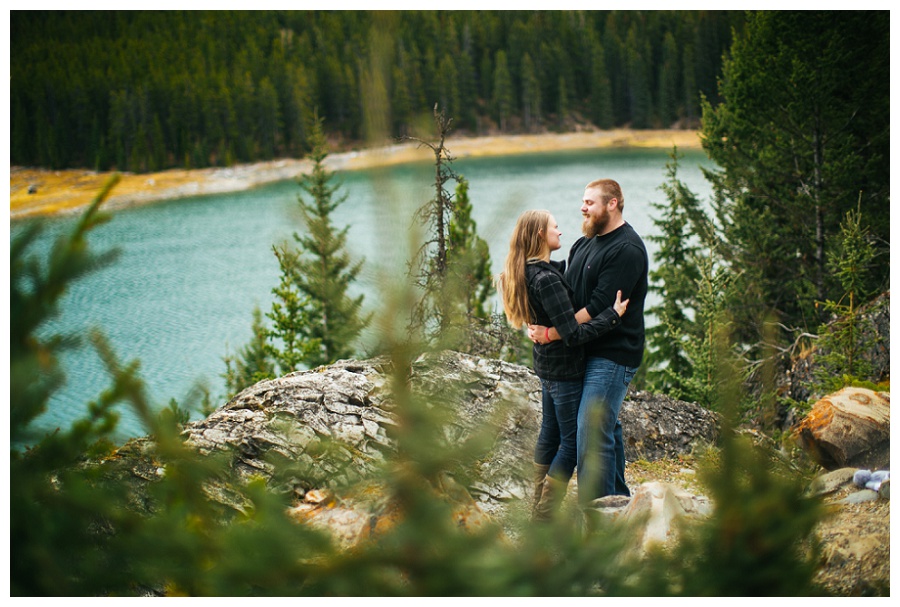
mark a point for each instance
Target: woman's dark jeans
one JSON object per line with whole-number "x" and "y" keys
{"x": 557, "y": 441}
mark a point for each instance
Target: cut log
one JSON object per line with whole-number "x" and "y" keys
{"x": 849, "y": 428}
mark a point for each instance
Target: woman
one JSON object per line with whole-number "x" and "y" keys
{"x": 535, "y": 292}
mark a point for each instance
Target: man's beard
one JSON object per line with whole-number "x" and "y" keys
{"x": 594, "y": 224}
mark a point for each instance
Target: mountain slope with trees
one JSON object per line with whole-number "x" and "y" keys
{"x": 149, "y": 90}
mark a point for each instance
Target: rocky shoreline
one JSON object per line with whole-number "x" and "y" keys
{"x": 42, "y": 192}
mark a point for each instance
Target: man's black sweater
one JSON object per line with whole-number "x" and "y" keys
{"x": 597, "y": 268}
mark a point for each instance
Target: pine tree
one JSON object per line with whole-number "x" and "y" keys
{"x": 468, "y": 88}
{"x": 35, "y": 371}
{"x": 268, "y": 119}
{"x": 401, "y": 107}
{"x": 60, "y": 514}
{"x": 253, "y": 362}
{"x": 689, "y": 91}
{"x": 694, "y": 288}
{"x": 601, "y": 93}
{"x": 503, "y": 90}
{"x": 761, "y": 536}
{"x": 639, "y": 97}
{"x": 531, "y": 94}
{"x": 468, "y": 257}
{"x": 562, "y": 102}
{"x": 476, "y": 329}
{"x": 75, "y": 526}
{"x": 449, "y": 85}
{"x": 839, "y": 359}
{"x": 291, "y": 316}
{"x": 667, "y": 99}
{"x": 675, "y": 281}
{"x": 614, "y": 51}
{"x": 318, "y": 320}
{"x": 699, "y": 382}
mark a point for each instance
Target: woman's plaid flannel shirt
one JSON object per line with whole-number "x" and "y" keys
{"x": 550, "y": 299}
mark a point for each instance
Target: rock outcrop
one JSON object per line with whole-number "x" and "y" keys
{"x": 655, "y": 426}
{"x": 349, "y": 405}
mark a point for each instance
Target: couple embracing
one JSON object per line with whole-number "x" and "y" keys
{"x": 586, "y": 319}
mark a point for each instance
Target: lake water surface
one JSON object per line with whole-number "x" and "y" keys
{"x": 190, "y": 271}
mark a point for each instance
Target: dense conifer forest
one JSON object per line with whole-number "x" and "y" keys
{"x": 150, "y": 90}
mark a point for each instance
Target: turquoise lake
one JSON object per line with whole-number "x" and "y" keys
{"x": 180, "y": 296}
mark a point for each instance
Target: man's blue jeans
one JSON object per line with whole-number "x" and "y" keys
{"x": 556, "y": 444}
{"x": 601, "y": 450}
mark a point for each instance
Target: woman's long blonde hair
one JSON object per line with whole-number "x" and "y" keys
{"x": 528, "y": 243}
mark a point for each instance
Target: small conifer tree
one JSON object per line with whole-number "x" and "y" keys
{"x": 503, "y": 99}
{"x": 253, "y": 362}
{"x": 468, "y": 256}
{"x": 674, "y": 280}
{"x": 840, "y": 345}
{"x": 700, "y": 382}
{"x": 317, "y": 321}
{"x": 482, "y": 331}
{"x": 692, "y": 287}
{"x": 35, "y": 372}
{"x": 452, "y": 268}
{"x": 289, "y": 345}
{"x": 76, "y": 526}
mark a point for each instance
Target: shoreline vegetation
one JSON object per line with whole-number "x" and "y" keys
{"x": 44, "y": 192}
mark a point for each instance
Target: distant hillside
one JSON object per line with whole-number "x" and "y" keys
{"x": 150, "y": 90}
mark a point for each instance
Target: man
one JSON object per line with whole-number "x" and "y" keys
{"x": 609, "y": 257}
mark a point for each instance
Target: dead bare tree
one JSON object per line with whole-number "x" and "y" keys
{"x": 428, "y": 268}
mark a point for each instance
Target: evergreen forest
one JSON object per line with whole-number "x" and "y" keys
{"x": 798, "y": 233}
{"x": 149, "y": 90}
